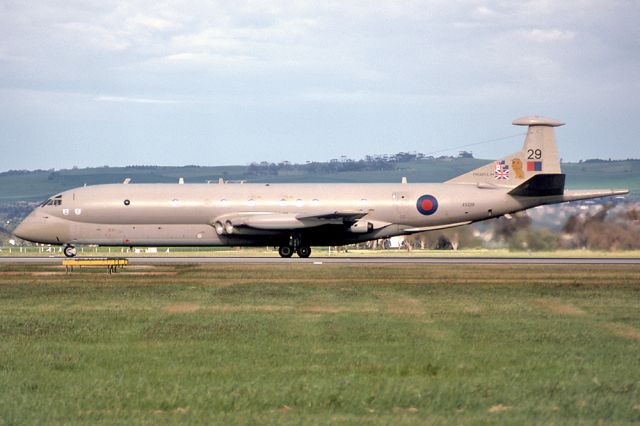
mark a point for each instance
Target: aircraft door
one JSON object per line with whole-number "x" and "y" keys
{"x": 401, "y": 203}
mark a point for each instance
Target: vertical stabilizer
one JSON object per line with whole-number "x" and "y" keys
{"x": 539, "y": 155}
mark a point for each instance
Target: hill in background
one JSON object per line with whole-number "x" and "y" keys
{"x": 32, "y": 186}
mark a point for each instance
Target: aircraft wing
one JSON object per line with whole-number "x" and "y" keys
{"x": 272, "y": 221}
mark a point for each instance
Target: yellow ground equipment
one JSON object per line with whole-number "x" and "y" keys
{"x": 112, "y": 264}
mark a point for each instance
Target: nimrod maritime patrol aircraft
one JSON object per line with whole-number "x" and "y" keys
{"x": 295, "y": 217}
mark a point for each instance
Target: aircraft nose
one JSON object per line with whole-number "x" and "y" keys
{"x": 34, "y": 228}
{"x": 28, "y": 229}
{"x": 43, "y": 228}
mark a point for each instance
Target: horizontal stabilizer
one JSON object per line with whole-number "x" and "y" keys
{"x": 587, "y": 194}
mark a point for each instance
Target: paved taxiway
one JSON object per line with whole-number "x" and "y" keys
{"x": 147, "y": 260}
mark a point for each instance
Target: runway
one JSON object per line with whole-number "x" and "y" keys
{"x": 149, "y": 260}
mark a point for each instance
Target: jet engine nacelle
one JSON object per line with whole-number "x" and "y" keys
{"x": 361, "y": 227}
{"x": 219, "y": 227}
{"x": 223, "y": 228}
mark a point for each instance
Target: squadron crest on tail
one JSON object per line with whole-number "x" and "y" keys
{"x": 516, "y": 165}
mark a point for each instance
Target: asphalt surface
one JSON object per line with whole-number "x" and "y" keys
{"x": 147, "y": 260}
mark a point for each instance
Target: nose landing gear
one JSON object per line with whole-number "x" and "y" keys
{"x": 69, "y": 251}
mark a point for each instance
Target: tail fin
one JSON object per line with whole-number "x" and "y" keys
{"x": 539, "y": 155}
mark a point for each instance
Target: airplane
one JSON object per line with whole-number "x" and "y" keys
{"x": 294, "y": 217}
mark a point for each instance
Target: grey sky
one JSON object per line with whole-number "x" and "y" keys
{"x": 89, "y": 83}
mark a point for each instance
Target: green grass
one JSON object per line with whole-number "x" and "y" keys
{"x": 321, "y": 343}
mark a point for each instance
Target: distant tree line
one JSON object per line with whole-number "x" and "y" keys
{"x": 600, "y": 160}
{"x": 344, "y": 164}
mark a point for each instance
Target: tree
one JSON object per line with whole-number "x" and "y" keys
{"x": 534, "y": 240}
{"x": 505, "y": 228}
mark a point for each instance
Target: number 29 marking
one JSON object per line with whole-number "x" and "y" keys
{"x": 534, "y": 154}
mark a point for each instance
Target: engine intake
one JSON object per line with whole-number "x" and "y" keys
{"x": 361, "y": 227}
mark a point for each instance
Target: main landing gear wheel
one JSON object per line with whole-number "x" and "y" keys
{"x": 69, "y": 251}
{"x": 304, "y": 251}
{"x": 285, "y": 251}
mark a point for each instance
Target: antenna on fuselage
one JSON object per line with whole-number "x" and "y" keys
{"x": 181, "y": 181}
{"x": 126, "y": 181}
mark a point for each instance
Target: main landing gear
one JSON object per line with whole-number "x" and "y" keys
{"x": 69, "y": 251}
{"x": 287, "y": 251}
{"x": 294, "y": 245}
{"x": 304, "y": 251}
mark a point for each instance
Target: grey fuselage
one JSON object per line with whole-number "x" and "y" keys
{"x": 183, "y": 214}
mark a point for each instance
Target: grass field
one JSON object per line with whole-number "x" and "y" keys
{"x": 321, "y": 343}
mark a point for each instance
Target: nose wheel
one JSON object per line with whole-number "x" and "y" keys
{"x": 69, "y": 251}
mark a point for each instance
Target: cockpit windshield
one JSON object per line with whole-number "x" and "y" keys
{"x": 55, "y": 201}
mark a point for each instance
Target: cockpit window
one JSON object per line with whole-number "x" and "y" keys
{"x": 55, "y": 201}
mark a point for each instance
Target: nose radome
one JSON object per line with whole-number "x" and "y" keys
{"x": 27, "y": 229}
{"x": 43, "y": 228}
{"x": 34, "y": 228}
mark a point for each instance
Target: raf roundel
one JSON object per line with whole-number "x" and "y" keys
{"x": 427, "y": 205}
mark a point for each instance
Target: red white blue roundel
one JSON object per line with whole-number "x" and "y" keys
{"x": 427, "y": 205}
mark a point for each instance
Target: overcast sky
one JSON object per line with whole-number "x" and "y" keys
{"x": 89, "y": 83}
